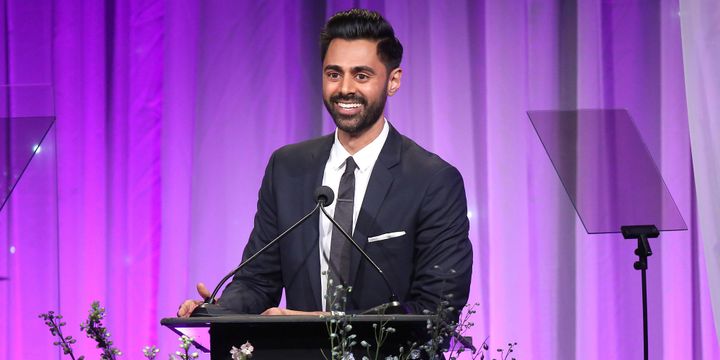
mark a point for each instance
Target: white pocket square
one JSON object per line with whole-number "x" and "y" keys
{"x": 386, "y": 236}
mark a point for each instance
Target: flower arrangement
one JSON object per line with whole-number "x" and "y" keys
{"x": 338, "y": 325}
{"x": 445, "y": 334}
{"x": 94, "y": 329}
{"x": 446, "y": 330}
{"x": 243, "y": 353}
{"x": 55, "y": 323}
{"x": 150, "y": 352}
{"x": 185, "y": 354}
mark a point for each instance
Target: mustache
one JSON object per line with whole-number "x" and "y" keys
{"x": 348, "y": 97}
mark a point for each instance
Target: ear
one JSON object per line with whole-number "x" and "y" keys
{"x": 394, "y": 81}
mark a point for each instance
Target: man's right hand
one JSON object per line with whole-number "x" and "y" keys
{"x": 188, "y": 306}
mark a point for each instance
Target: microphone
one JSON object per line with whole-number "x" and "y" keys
{"x": 392, "y": 307}
{"x": 323, "y": 197}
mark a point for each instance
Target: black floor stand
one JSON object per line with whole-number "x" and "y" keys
{"x": 642, "y": 233}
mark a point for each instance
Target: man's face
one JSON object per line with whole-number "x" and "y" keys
{"x": 355, "y": 84}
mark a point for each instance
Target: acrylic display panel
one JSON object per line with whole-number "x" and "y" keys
{"x": 606, "y": 169}
{"x": 26, "y": 116}
{"x": 29, "y": 247}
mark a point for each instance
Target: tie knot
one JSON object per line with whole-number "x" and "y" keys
{"x": 350, "y": 165}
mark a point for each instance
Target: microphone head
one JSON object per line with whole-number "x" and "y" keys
{"x": 324, "y": 195}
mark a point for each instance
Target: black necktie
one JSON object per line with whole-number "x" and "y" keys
{"x": 339, "y": 264}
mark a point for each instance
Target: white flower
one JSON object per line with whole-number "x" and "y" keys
{"x": 244, "y": 352}
{"x": 391, "y": 358}
{"x": 236, "y": 354}
{"x": 348, "y": 356}
{"x": 150, "y": 351}
{"x": 247, "y": 348}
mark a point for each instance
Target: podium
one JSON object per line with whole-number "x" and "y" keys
{"x": 294, "y": 337}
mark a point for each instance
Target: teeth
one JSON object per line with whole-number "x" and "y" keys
{"x": 348, "y": 106}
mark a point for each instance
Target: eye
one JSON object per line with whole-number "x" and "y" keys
{"x": 332, "y": 75}
{"x": 362, "y": 77}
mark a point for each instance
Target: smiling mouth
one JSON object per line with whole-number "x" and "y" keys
{"x": 348, "y": 106}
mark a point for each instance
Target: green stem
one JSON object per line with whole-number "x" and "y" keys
{"x": 62, "y": 338}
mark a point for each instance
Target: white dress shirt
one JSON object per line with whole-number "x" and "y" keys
{"x": 334, "y": 168}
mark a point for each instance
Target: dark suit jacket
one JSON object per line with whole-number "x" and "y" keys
{"x": 410, "y": 189}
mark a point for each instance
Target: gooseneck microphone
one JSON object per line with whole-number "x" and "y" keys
{"x": 393, "y": 306}
{"x": 323, "y": 197}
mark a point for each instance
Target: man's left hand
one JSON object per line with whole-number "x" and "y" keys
{"x": 283, "y": 311}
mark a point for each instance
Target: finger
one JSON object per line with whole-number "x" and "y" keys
{"x": 272, "y": 311}
{"x": 187, "y": 307}
{"x": 203, "y": 291}
{"x": 298, "y": 312}
{"x": 282, "y": 311}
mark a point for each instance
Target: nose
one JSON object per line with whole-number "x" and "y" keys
{"x": 347, "y": 86}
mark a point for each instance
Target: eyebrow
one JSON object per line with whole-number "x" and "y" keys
{"x": 354, "y": 69}
{"x": 333, "y": 67}
{"x": 357, "y": 69}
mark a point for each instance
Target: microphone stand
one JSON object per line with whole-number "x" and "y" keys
{"x": 208, "y": 307}
{"x": 323, "y": 197}
{"x": 391, "y": 307}
{"x": 642, "y": 233}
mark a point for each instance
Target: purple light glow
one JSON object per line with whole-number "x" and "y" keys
{"x": 167, "y": 113}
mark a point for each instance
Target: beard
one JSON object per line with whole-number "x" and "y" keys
{"x": 360, "y": 122}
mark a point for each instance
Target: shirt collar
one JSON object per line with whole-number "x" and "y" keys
{"x": 365, "y": 158}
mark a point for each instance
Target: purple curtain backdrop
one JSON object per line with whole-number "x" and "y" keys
{"x": 168, "y": 111}
{"x": 701, "y": 54}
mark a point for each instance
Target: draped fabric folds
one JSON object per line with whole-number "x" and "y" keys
{"x": 701, "y": 53}
{"x": 167, "y": 112}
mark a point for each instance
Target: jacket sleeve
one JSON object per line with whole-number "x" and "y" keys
{"x": 443, "y": 253}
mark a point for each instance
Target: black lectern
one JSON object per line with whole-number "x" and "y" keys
{"x": 294, "y": 337}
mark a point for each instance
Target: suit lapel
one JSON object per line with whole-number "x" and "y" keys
{"x": 317, "y": 158}
{"x": 380, "y": 181}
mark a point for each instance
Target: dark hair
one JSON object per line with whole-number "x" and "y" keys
{"x": 363, "y": 24}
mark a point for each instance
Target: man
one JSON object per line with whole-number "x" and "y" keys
{"x": 405, "y": 206}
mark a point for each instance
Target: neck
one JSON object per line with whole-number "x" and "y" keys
{"x": 355, "y": 142}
